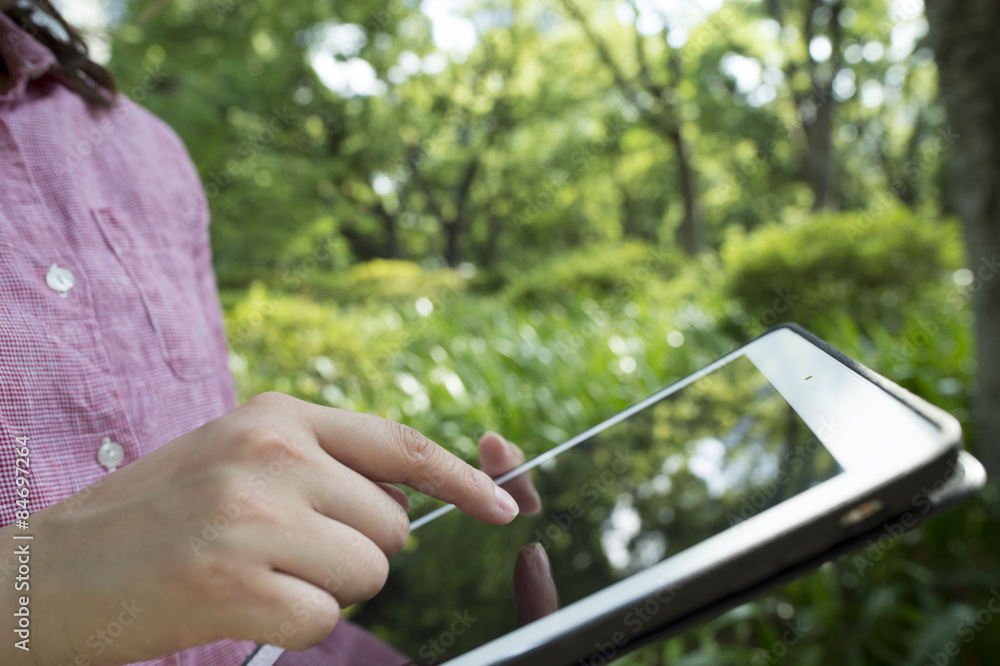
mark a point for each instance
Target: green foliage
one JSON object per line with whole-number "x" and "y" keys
{"x": 879, "y": 267}
{"x": 395, "y": 281}
{"x": 524, "y": 146}
{"x": 472, "y": 362}
{"x": 594, "y": 270}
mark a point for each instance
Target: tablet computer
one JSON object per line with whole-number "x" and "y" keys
{"x": 766, "y": 463}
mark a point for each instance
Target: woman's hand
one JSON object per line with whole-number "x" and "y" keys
{"x": 260, "y": 525}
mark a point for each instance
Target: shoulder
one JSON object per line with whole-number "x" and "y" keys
{"x": 148, "y": 156}
{"x": 151, "y": 137}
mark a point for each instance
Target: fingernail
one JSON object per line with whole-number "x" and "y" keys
{"x": 506, "y": 502}
{"x": 541, "y": 561}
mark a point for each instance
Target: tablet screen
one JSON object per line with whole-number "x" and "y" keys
{"x": 686, "y": 467}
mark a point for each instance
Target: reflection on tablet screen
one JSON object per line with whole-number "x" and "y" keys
{"x": 685, "y": 468}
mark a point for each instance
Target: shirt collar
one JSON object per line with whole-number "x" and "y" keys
{"x": 24, "y": 57}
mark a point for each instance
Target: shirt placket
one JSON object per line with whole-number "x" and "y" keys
{"x": 70, "y": 315}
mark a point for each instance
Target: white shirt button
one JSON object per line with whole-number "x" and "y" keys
{"x": 59, "y": 280}
{"x": 111, "y": 454}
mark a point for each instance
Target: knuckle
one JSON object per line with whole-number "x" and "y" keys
{"x": 417, "y": 450}
{"x": 257, "y": 513}
{"x": 266, "y": 442}
{"x": 472, "y": 478}
{"x": 247, "y": 438}
{"x": 225, "y": 500}
{"x": 270, "y": 400}
{"x": 286, "y": 450}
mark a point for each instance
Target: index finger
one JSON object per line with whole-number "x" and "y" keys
{"x": 390, "y": 452}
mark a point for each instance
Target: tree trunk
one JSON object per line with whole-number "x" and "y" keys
{"x": 363, "y": 246}
{"x": 494, "y": 225}
{"x": 821, "y": 163}
{"x": 964, "y": 37}
{"x": 821, "y": 167}
{"x": 390, "y": 225}
{"x": 453, "y": 241}
{"x": 663, "y": 119}
{"x": 690, "y": 233}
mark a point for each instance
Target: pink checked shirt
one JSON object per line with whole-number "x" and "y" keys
{"x": 111, "y": 335}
